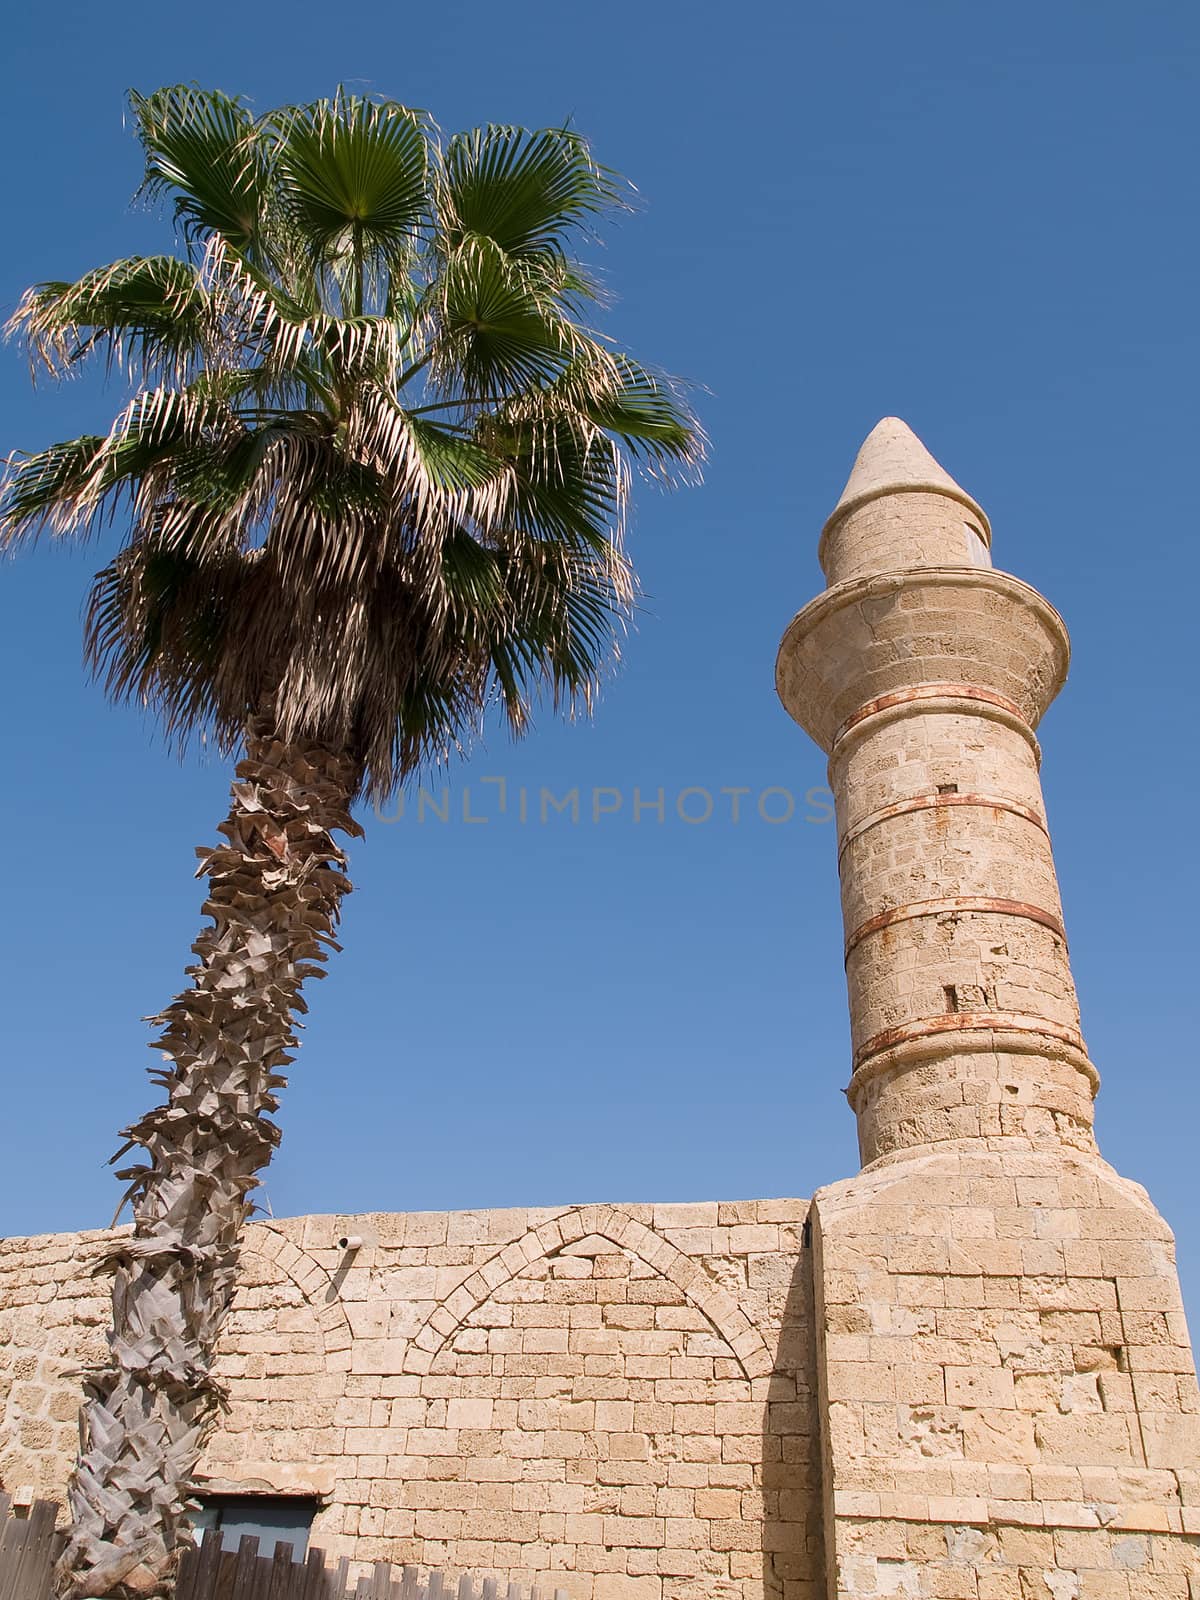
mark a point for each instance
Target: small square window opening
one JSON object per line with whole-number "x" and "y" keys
{"x": 272, "y": 1518}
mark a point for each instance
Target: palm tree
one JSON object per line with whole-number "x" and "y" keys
{"x": 372, "y": 476}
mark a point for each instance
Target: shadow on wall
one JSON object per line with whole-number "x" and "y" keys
{"x": 792, "y": 1542}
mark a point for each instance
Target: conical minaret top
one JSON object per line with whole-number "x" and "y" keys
{"x": 897, "y": 494}
{"x": 894, "y": 461}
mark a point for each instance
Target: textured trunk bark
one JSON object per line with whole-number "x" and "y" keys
{"x": 275, "y": 887}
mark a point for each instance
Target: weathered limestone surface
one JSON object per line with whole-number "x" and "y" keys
{"x": 1011, "y": 1402}
{"x": 1007, "y": 1391}
{"x": 620, "y": 1397}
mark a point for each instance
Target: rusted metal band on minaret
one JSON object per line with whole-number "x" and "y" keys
{"x": 924, "y": 692}
{"x": 961, "y": 1021}
{"x": 952, "y": 905}
{"x": 998, "y": 1030}
{"x": 924, "y": 802}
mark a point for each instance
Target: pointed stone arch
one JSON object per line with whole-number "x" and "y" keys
{"x": 620, "y": 1228}
{"x": 240, "y": 1457}
{"x": 268, "y": 1244}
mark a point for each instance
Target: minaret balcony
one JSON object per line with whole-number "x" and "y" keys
{"x": 914, "y": 640}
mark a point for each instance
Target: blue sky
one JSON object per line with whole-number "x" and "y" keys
{"x": 981, "y": 218}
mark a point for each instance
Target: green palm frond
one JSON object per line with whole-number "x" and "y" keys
{"x": 642, "y": 409}
{"x": 42, "y": 489}
{"x": 149, "y": 313}
{"x": 455, "y": 463}
{"x": 526, "y": 192}
{"x": 374, "y": 466}
{"x": 566, "y": 481}
{"x": 203, "y": 151}
{"x": 353, "y": 180}
{"x": 500, "y": 329}
{"x": 562, "y": 613}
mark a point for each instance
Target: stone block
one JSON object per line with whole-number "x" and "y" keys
{"x": 620, "y": 1586}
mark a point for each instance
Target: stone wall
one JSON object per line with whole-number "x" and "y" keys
{"x": 621, "y": 1398}
{"x": 1012, "y": 1407}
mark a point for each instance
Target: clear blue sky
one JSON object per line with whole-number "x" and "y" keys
{"x": 982, "y": 218}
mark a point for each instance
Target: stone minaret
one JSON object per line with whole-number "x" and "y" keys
{"x": 1006, "y": 1377}
{"x": 924, "y": 672}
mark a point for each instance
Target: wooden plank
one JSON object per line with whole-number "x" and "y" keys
{"x": 211, "y": 1565}
{"x": 490, "y": 1589}
{"x": 12, "y": 1542}
{"x": 317, "y": 1584}
{"x": 281, "y": 1582}
{"x": 8, "y": 1567}
{"x": 410, "y": 1583}
{"x": 202, "y": 1566}
{"x": 185, "y": 1573}
{"x": 466, "y": 1589}
{"x": 31, "y": 1572}
{"x": 341, "y": 1580}
{"x": 244, "y": 1572}
{"x": 263, "y": 1570}
{"x": 42, "y": 1535}
{"x": 362, "y": 1589}
{"x": 226, "y": 1573}
{"x": 12, "y": 1536}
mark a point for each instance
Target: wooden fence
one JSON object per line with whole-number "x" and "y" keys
{"x": 29, "y": 1544}
{"x": 210, "y": 1573}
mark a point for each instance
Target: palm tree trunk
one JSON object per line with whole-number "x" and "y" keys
{"x": 275, "y": 888}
